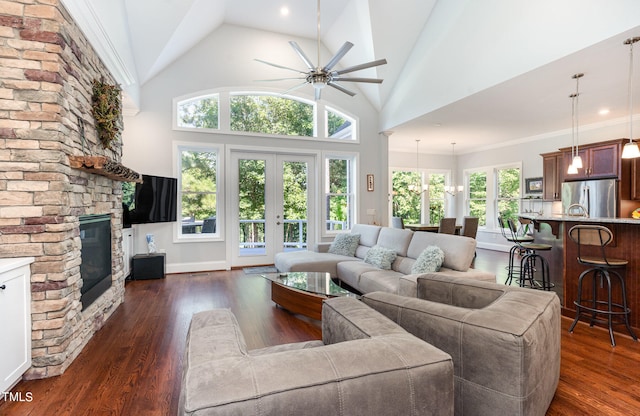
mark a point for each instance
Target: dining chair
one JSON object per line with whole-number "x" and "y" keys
{"x": 397, "y": 222}
{"x": 447, "y": 226}
{"x": 470, "y": 226}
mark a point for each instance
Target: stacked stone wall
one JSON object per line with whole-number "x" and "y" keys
{"x": 46, "y": 71}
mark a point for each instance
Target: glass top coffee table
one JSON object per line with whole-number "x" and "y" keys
{"x": 304, "y": 292}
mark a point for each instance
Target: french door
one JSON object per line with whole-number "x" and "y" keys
{"x": 272, "y": 205}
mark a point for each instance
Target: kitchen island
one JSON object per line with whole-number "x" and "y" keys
{"x": 564, "y": 266}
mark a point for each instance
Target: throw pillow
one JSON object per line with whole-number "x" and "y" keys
{"x": 345, "y": 244}
{"x": 430, "y": 260}
{"x": 380, "y": 257}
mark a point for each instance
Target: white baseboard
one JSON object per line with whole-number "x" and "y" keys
{"x": 196, "y": 267}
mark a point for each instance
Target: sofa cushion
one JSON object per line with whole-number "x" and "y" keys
{"x": 379, "y": 280}
{"x": 458, "y": 250}
{"x": 350, "y": 271}
{"x": 396, "y": 239}
{"x": 380, "y": 257}
{"x": 310, "y": 261}
{"x": 345, "y": 244}
{"x": 430, "y": 260}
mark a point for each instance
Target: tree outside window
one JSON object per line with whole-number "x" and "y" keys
{"x": 271, "y": 115}
{"x": 409, "y": 198}
{"x": 508, "y": 201}
{"x": 201, "y": 112}
{"x": 198, "y": 191}
{"x": 339, "y": 194}
{"x": 478, "y": 196}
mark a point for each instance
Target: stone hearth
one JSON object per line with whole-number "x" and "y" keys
{"x": 46, "y": 71}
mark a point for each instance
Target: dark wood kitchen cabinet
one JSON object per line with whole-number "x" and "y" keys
{"x": 552, "y": 176}
{"x": 599, "y": 160}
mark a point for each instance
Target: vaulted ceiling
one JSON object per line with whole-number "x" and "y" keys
{"x": 477, "y": 72}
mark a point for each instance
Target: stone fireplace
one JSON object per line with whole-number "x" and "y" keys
{"x": 45, "y": 116}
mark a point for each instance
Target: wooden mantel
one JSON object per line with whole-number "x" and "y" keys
{"x": 102, "y": 165}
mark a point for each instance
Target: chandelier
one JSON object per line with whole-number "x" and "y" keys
{"x": 576, "y": 160}
{"x": 453, "y": 189}
{"x": 630, "y": 150}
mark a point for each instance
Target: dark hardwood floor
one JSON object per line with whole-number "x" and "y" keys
{"x": 133, "y": 365}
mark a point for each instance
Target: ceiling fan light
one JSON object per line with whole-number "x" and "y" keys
{"x": 577, "y": 162}
{"x": 630, "y": 151}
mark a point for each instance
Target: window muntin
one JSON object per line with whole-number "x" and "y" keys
{"x": 269, "y": 114}
{"x": 199, "y": 112}
{"x": 198, "y": 192}
{"x": 338, "y": 125}
{"x": 339, "y": 193}
{"x": 477, "y": 196}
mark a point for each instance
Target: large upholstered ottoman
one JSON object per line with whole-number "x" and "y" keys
{"x": 365, "y": 365}
{"x": 504, "y": 341}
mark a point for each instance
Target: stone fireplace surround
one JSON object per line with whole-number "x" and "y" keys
{"x": 46, "y": 67}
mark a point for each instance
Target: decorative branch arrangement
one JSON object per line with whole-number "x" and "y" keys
{"x": 106, "y": 107}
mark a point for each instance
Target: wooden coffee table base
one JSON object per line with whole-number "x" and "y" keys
{"x": 297, "y": 301}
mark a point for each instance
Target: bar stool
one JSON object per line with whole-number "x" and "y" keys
{"x": 603, "y": 267}
{"x": 511, "y": 271}
{"x": 528, "y": 263}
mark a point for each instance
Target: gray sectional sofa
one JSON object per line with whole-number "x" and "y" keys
{"x": 399, "y": 279}
{"x": 504, "y": 341}
{"x": 364, "y": 365}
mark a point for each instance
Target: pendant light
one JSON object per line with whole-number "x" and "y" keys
{"x": 453, "y": 189}
{"x": 576, "y": 160}
{"x": 419, "y": 187}
{"x": 630, "y": 150}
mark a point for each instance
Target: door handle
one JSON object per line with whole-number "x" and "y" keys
{"x": 3, "y": 287}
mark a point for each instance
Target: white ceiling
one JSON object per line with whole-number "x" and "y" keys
{"x": 519, "y": 92}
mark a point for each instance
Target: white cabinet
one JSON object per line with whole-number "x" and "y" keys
{"x": 127, "y": 250}
{"x": 15, "y": 320}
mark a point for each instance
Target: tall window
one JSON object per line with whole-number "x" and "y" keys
{"x": 478, "y": 196}
{"x": 339, "y": 193}
{"x": 418, "y": 197}
{"x": 198, "y": 183}
{"x": 508, "y": 185}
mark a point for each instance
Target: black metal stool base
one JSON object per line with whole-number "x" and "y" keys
{"x": 592, "y": 308}
{"x": 528, "y": 268}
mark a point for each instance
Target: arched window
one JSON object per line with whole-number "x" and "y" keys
{"x": 263, "y": 113}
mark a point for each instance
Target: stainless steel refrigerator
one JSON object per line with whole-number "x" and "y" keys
{"x": 599, "y": 197}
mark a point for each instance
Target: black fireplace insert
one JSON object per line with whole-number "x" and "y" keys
{"x": 95, "y": 270}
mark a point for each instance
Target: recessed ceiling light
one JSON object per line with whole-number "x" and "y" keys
{"x": 603, "y": 111}
{"x": 284, "y": 11}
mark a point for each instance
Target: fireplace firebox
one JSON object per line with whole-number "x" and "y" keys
{"x": 95, "y": 270}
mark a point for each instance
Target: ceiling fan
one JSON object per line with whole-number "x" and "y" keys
{"x": 320, "y": 77}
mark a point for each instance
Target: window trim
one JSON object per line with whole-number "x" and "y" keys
{"x": 219, "y": 149}
{"x": 224, "y": 105}
{"x": 424, "y": 198}
{"x": 355, "y": 174}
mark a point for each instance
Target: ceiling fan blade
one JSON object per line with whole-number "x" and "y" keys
{"x": 295, "y": 87}
{"x": 361, "y": 66}
{"x": 278, "y": 79}
{"x": 301, "y": 54}
{"x": 354, "y": 79}
{"x": 341, "y": 52}
{"x": 280, "y": 66}
{"x": 341, "y": 88}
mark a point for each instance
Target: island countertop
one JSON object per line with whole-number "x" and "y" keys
{"x": 565, "y": 270}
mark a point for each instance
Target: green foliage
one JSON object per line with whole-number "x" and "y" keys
{"x": 407, "y": 204}
{"x": 478, "y": 197}
{"x": 271, "y": 115}
{"x": 199, "y": 113}
{"x": 334, "y": 122}
{"x": 509, "y": 192}
{"x": 199, "y": 184}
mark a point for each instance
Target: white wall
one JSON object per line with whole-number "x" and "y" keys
{"x": 224, "y": 60}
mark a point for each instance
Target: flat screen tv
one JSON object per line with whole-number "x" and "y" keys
{"x": 153, "y": 200}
